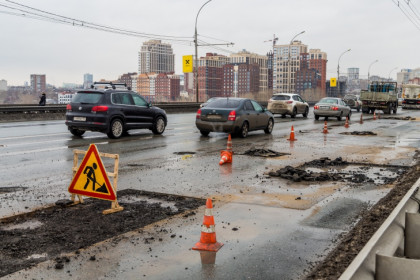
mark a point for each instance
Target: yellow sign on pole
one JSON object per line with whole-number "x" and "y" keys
{"x": 187, "y": 64}
{"x": 91, "y": 178}
{"x": 333, "y": 82}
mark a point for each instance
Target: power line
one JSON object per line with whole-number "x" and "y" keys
{"x": 403, "y": 10}
{"x": 416, "y": 12}
{"x": 85, "y": 23}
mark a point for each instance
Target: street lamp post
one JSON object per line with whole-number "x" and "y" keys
{"x": 196, "y": 51}
{"x": 338, "y": 71}
{"x": 289, "y": 74}
{"x": 389, "y": 75}
{"x": 369, "y": 71}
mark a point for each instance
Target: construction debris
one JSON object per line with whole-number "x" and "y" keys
{"x": 360, "y": 133}
{"x": 264, "y": 153}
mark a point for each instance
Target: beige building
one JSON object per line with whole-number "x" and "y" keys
{"x": 253, "y": 58}
{"x": 156, "y": 57}
{"x": 284, "y": 74}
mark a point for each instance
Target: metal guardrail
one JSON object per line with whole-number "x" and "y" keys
{"x": 389, "y": 252}
{"x": 61, "y": 108}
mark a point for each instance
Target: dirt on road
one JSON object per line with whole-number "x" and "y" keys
{"x": 31, "y": 238}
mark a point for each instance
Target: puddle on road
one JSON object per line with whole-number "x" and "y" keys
{"x": 147, "y": 200}
{"x": 24, "y": 225}
{"x": 338, "y": 214}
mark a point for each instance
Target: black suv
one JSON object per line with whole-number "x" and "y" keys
{"x": 113, "y": 110}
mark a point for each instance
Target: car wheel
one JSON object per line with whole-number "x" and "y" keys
{"x": 294, "y": 112}
{"x": 283, "y": 116}
{"x": 244, "y": 130}
{"x": 326, "y": 118}
{"x": 204, "y": 133}
{"x": 305, "y": 114}
{"x": 116, "y": 129}
{"x": 340, "y": 116}
{"x": 316, "y": 117}
{"x": 349, "y": 115}
{"x": 269, "y": 127}
{"x": 77, "y": 132}
{"x": 158, "y": 126}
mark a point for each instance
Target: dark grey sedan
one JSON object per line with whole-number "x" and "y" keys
{"x": 234, "y": 115}
{"x": 331, "y": 107}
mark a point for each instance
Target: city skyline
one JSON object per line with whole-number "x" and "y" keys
{"x": 374, "y": 30}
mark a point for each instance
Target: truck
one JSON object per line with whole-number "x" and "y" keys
{"x": 380, "y": 96}
{"x": 411, "y": 96}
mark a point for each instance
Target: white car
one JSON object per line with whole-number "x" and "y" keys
{"x": 288, "y": 104}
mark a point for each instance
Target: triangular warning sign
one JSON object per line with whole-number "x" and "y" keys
{"x": 91, "y": 178}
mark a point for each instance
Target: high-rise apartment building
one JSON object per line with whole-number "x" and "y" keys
{"x": 253, "y": 58}
{"x": 156, "y": 57}
{"x": 240, "y": 79}
{"x": 87, "y": 80}
{"x": 160, "y": 87}
{"x": 38, "y": 83}
{"x": 318, "y": 61}
{"x": 284, "y": 78}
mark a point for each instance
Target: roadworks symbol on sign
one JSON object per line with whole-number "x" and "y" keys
{"x": 91, "y": 178}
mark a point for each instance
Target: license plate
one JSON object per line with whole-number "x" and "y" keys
{"x": 214, "y": 117}
{"x": 80, "y": 119}
{"x": 324, "y": 107}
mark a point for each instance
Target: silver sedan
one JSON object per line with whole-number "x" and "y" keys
{"x": 331, "y": 107}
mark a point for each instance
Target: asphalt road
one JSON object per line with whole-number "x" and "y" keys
{"x": 279, "y": 236}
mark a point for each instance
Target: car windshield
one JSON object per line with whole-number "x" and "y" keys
{"x": 280, "y": 97}
{"x": 224, "y": 103}
{"x": 329, "y": 100}
{"x": 87, "y": 97}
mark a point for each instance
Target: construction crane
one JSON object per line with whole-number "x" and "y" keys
{"x": 274, "y": 40}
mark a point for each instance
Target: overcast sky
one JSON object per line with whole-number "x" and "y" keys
{"x": 373, "y": 29}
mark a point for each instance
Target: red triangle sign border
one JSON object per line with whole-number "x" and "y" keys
{"x": 111, "y": 196}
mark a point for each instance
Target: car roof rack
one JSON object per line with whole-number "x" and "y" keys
{"x": 111, "y": 85}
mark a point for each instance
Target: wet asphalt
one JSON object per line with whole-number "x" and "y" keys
{"x": 271, "y": 228}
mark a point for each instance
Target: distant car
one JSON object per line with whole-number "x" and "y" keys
{"x": 353, "y": 101}
{"x": 332, "y": 107}
{"x": 234, "y": 115}
{"x": 113, "y": 110}
{"x": 288, "y": 104}
{"x": 208, "y": 101}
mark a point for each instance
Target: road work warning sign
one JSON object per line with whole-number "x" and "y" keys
{"x": 91, "y": 178}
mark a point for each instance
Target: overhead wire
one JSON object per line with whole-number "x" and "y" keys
{"x": 407, "y": 14}
{"x": 416, "y": 14}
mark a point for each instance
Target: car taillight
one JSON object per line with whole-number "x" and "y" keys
{"x": 334, "y": 108}
{"x": 100, "y": 109}
{"x": 289, "y": 102}
{"x": 68, "y": 107}
{"x": 404, "y": 102}
{"x": 232, "y": 116}
{"x": 316, "y": 107}
{"x": 418, "y": 102}
{"x": 198, "y": 116}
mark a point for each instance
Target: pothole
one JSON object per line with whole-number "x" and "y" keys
{"x": 325, "y": 169}
{"x": 263, "y": 153}
{"x": 11, "y": 189}
{"x": 360, "y": 133}
{"x": 184, "y": 153}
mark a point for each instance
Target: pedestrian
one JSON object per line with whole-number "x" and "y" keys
{"x": 43, "y": 99}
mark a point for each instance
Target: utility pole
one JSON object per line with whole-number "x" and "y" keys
{"x": 195, "y": 66}
{"x": 338, "y": 72}
{"x": 289, "y": 74}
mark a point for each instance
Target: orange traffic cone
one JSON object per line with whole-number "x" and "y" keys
{"x": 374, "y": 115}
{"x": 229, "y": 144}
{"x": 208, "y": 233}
{"x": 325, "y": 131}
{"x": 226, "y": 157}
{"x": 361, "y": 118}
{"x": 346, "y": 125}
{"x": 292, "y": 135}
